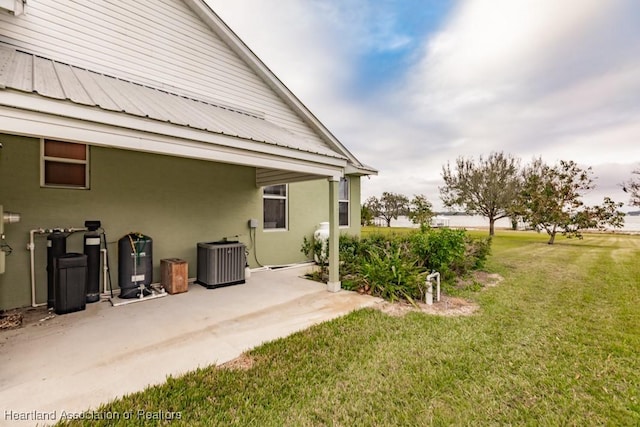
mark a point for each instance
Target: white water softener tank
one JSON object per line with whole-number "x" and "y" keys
{"x": 322, "y": 235}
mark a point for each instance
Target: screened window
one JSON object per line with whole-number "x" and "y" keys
{"x": 275, "y": 207}
{"x": 343, "y": 203}
{"x": 64, "y": 164}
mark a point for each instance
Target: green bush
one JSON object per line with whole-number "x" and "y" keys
{"x": 393, "y": 266}
{"x": 313, "y": 249}
{"x": 392, "y": 276}
{"x": 476, "y": 252}
{"x": 451, "y": 252}
{"x": 350, "y": 255}
{"x": 439, "y": 249}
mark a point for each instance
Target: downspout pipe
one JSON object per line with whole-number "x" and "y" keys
{"x": 31, "y": 248}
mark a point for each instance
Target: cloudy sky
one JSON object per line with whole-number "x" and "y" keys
{"x": 408, "y": 85}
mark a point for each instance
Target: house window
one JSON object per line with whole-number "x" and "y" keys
{"x": 343, "y": 203}
{"x": 64, "y": 164}
{"x": 275, "y": 207}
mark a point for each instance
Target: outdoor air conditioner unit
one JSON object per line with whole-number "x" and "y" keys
{"x": 221, "y": 264}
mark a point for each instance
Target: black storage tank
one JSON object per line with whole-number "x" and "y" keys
{"x": 70, "y": 277}
{"x": 56, "y": 246}
{"x": 135, "y": 264}
{"x": 92, "y": 251}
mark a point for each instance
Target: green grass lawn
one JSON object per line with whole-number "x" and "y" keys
{"x": 556, "y": 343}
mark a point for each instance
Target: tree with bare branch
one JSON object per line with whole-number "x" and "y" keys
{"x": 488, "y": 187}
{"x": 389, "y": 206}
{"x": 421, "y": 210}
{"x": 551, "y": 200}
{"x": 633, "y": 188}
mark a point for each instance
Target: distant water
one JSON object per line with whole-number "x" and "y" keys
{"x": 631, "y": 223}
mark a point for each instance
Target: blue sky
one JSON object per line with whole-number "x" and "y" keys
{"x": 408, "y": 85}
{"x": 396, "y": 29}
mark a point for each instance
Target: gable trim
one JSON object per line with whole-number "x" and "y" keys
{"x": 223, "y": 31}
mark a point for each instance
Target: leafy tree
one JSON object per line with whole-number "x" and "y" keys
{"x": 389, "y": 206}
{"x": 633, "y": 187}
{"x": 420, "y": 210}
{"x": 488, "y": 188}
{"x": 551, "y": 200}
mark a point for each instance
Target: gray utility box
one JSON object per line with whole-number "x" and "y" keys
{"x": 221, "y": 264}
{"x": 70, "y": 283}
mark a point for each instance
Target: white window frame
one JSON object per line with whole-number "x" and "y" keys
{"x": 347, "y": 183}
{"x": 286, "y": 207}
{"x": 44, "y": 159}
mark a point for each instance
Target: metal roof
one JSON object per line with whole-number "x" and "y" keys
{"x": 51, "y": 79}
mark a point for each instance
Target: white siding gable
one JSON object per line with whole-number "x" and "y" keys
{"x": 159, "y": 43}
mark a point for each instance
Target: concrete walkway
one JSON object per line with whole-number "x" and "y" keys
{"x": 79, "y": 360}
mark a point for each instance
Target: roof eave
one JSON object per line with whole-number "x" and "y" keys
{"x": 46, "y": 118}
{"x": 360, "y": 170}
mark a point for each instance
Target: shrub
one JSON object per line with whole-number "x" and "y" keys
{"x": 350, "y": 254}
{"x": 313, "y": 249}
{"x": 392, "y": 276}
{"x": 439, "y": 249}
{"x": 476, "y": 252}
{"x": 394, "y": 266}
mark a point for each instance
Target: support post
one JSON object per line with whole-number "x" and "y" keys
{"x": 334, "y": 235}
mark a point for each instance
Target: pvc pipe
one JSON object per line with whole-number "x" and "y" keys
{"x": 429, "y": 294}
{"x": 10, "y": 217}
{"x": 74, "y": 230}
{"x": 105, "y": 270}
{"x": 31, "y": 247}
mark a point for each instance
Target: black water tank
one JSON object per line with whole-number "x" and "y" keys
{"x": 70, "y": 274}
{"x": 56, "y": 246}
{"x": 135, "y": 264}
{"x": 92, "y": 251}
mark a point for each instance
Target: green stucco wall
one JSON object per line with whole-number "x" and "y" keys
{"x": 177, "y": 202}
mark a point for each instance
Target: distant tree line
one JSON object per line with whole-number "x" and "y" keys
{"x": 545, "y": 197}
{"x": 390, "y": 206}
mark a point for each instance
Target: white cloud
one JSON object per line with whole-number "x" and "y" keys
{"x": 557, "y": 79}
{"x": 531, "y": 77}
{"x": 365, "y": 25}
{"x": 296, "y": 42}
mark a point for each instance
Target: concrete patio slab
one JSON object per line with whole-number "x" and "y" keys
{"x": 79, "y": 360}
